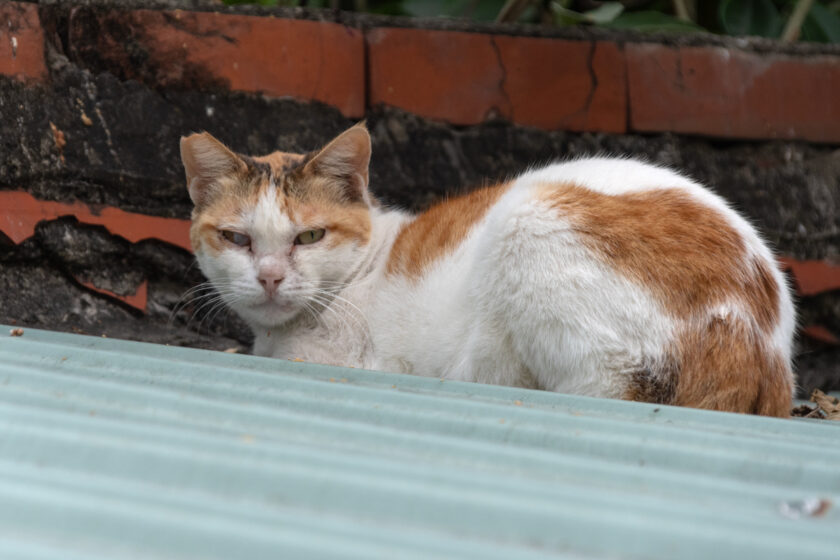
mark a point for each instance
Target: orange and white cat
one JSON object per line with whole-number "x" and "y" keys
{"x": 605, "y": 277}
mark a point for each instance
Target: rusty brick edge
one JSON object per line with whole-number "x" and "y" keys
{"x": 635, "y": 107}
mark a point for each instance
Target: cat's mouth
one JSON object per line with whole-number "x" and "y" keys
{"x": 272, "y": 305}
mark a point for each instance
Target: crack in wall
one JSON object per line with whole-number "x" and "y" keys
{"x": 593, "y": 84}
{"x": 509, "y": 112}
{"x": 680, "y": 81}
{"x": 628, "y": 107}
{"x": 593, "y": 77}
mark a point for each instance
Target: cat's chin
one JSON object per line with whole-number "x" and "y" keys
{"x": 270, "y": 313}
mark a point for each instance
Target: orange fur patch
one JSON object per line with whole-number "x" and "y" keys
{"x": 438, "y": 231}
{"x": 684, "y": 251}
{"x": 324, "y": 189}
{"x": 280, "y": 162}
{"x": 345, "y": 223}
{"x": 231, "y": 195}
{"x": 719, "y": 366}
{"x": 309, "y": 201}
{"x": 724, "y": 367}
{"x": 692, "y": 259}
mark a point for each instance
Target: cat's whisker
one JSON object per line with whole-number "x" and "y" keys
{"x": 204, "y": 309}
{"x": 352, "y": 309}
{"x": 345, "y": 301}
{"x": 188, "y": 296}
{"x": 313, "y": 313}
{"x": 219, "y": 304}
{"x": 213, "y": 314}
{"x": 342, "y": 317}
{"x": 340, "y": 324}
{"x": 198, "y": 301}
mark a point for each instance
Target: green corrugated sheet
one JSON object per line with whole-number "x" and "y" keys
{"x": 112, "y": 449}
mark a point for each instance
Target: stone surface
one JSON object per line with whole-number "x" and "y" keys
{"x": 730, "y": 93}
{"x": 21, "y": 42}
{"x": 213, "y": 51}
{"x": 44, "y": 284}
{"x": 121, "y": 137}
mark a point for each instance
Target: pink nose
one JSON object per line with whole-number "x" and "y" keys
{"x": 270, "y": 283}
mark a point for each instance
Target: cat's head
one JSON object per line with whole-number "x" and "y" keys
{"x": 271, "y": 232}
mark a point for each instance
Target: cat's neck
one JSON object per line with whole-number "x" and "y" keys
{"x": 386, "y": 224}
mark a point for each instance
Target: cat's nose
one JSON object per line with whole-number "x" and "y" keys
{"x": 270, "y": 282}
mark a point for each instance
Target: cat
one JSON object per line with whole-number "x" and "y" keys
{"x": 607, "y": 277}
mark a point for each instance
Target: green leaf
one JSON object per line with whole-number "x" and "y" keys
{"x": 565, "y": 16}
{"x": 821, "y": 25}
{"x": 601, "y": 15}
{"x": 604, "y": 13}
{"x": 650, "y": 21}
{"x": 750, "y": 17}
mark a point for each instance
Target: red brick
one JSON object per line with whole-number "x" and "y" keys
{"x": 21, "y": 42}
{"x": 278, "y": 57}
{"x": 465, "y": 78}
{"x": 729, "y": 93}
{"x": 446, "y": 75}
{"x": 574, "y": 85}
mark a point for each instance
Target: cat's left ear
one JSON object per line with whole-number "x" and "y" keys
{"x": 345, "y": 161}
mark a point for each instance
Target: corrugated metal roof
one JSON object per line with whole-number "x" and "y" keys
{"x": 114, "y": 449}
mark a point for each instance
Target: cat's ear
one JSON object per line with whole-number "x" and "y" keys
{"x": 345, "y": 161}
{"x": 205, "y": 160}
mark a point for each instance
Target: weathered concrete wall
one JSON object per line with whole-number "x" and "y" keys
{"x": 96, "y": 128}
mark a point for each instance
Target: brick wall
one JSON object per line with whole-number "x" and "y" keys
{"x": 458, "y": 77}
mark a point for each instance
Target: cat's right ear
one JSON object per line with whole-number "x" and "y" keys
{"x": 345, "y": 161}
{"x": 205, "y": 160}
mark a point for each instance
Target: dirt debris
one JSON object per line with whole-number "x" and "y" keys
{"x": 827, "y": 407}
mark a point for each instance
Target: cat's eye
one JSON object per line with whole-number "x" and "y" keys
{"x": 309, "y": 237}
{"x": 239, "y": 239}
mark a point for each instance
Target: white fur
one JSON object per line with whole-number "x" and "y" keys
{"x": 521, "y": 301}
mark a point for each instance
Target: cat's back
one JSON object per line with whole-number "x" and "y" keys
{"x": 611, "y": 277}
{"x": 668, "y": 233}
{"x": 724, "y": 309}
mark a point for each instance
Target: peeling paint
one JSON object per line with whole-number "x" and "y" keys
{"x": 20, "y": 212}
{"x": 822, "y": 334}
{"x": 812, "y": 277}
{"x": 137, "y": 300}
